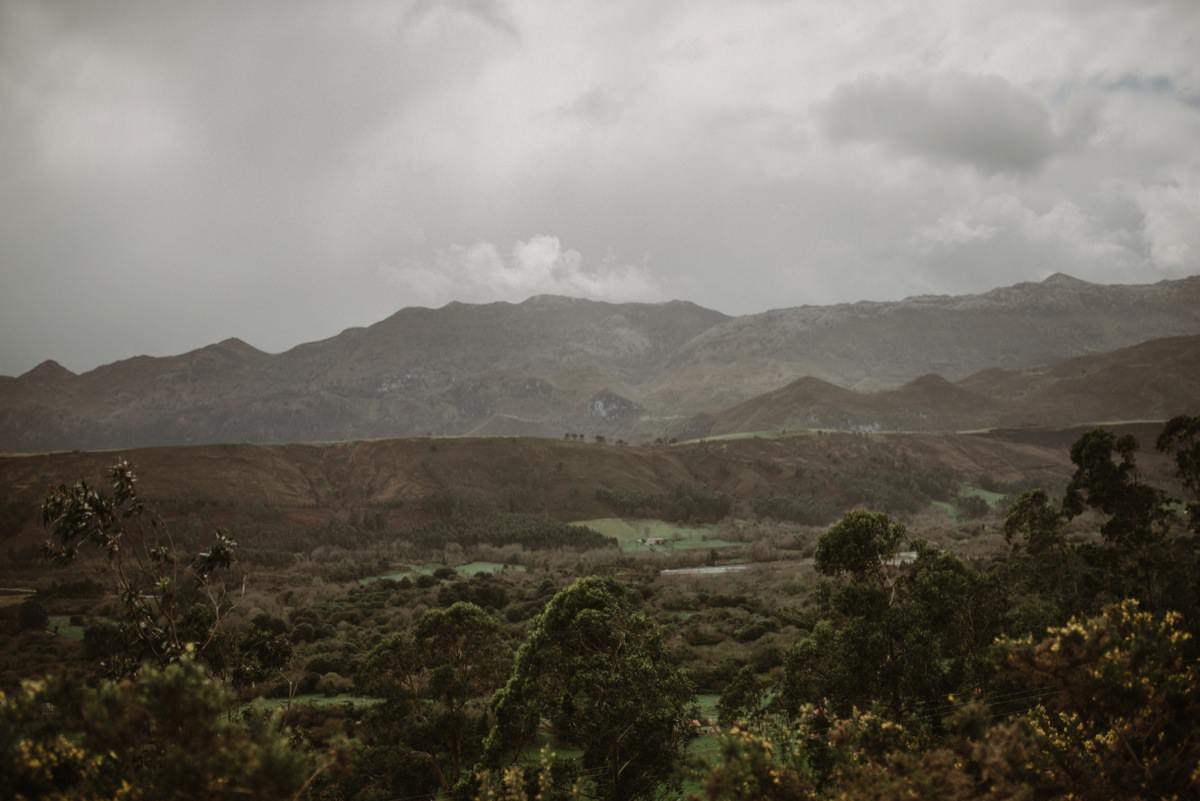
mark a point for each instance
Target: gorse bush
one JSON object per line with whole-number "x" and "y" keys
{"x": 163, "y": 734}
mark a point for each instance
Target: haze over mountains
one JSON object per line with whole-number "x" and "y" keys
{"x": 553, "y": 364}
{"x": 1151, "y": 381}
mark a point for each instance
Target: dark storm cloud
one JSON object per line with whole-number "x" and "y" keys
{"x": 981, "y": 121}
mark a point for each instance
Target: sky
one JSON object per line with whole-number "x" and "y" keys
{"x": 173, "y": 174}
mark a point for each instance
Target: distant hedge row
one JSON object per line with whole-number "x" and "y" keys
{"x": 530, "y": 531}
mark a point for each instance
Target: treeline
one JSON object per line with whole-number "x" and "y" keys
{"x": 683, "y": 505}
{"x": 531, "y": 531}
{"x": 897, "y": 487}
{"x": 805, "y": 509}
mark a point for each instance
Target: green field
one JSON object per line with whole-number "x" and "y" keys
{"x": 679, "y": 537}
{"x": 62, "y": 625}
{"x": 409, "y": 572}
{"x": 474, "y": 568}
{"x": 992, "y": 498}
{"x": 321, "y": 701}
{"x": 708, "y": 704}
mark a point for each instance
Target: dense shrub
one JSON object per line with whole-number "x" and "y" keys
{"x": 530, "y": 531}
{"x": 899, "y": 487}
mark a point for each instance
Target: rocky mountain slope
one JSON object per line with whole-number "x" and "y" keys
{"x": 551, "y": 365}
{"x": 1154, "y": 380}
{"x": 876, "y": 345}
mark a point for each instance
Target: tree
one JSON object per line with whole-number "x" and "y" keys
{"x": 1181, "y": 438}
{"x": 1106, "y": 478}
{"x": 860, "y": 544}
{"x": 171, "y": 605}
{"x": 1034, "y": 524}
{"x": 902, "y": 636}
{"x": 595, "y": 669}
{"x": 437, "y": 681}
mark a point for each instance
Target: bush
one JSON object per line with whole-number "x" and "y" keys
{"x": 163, "y": 734}
{"x": 530, "y": 531}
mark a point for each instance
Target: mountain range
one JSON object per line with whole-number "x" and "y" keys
{"x": 1151, "y": 381}
{"x": 553, "y": 364}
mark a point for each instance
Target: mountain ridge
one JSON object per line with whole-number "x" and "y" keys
{"x": 1156, "y": 379}
{"x": 540, "y": 365}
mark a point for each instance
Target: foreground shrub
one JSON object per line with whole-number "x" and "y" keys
{"x": 163, "y": 734}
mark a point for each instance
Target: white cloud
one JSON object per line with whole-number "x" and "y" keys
{"x": 1172, "y": 227}
{"x": 536, "y": 266}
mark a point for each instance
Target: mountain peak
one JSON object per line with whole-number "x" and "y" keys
{"x": 1062, "y": 279}
{"x": 236, "y": 345}
{"x": 48, "y": 370}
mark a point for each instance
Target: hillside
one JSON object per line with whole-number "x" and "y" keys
{"x": 553, "y": 364}
{"x": 1151, "y": 381}
{"x": 420, "y": 371}
{"x": 290, "y": 489}
{"x": 872, "y": 346}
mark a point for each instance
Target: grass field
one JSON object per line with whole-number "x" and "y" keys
{"x": 679, "y": 537}
{"x": 321, "y": 700}
{"x": 409, "y": 572}
{"x": 62, "y": 625}
{"x": 991, "y": 498}
{"x": 474, "y": 568}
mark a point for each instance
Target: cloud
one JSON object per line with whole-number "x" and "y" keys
{"x": 981, "y": 121}
{"x": 490, "y": 12}
{"x": 1000, "y": 233}
{"x": 536, "y": 266}
{"x": 1170, "y": 227}
{"x": 209, "y": 169}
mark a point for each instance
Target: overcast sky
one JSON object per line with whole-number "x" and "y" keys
{"x": 172, "y": 174}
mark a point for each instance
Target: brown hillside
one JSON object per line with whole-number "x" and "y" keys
{"x": 1151, "y": 381}
{"x": 307, "y": 486}
{"x": 542, "y": 365}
